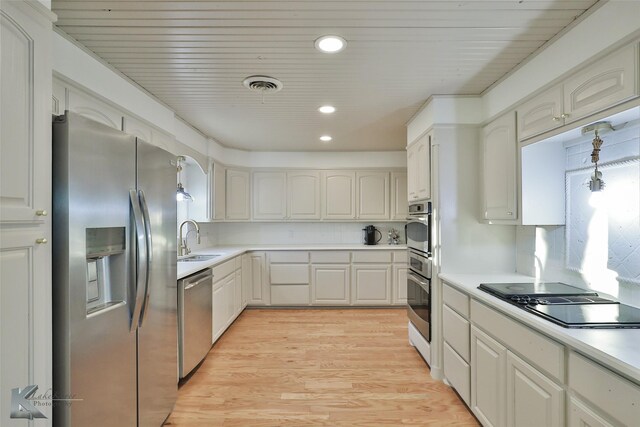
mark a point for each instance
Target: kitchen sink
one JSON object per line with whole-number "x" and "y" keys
{"x": 198, "y": 258}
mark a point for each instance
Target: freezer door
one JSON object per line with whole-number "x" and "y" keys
{"x": 158, "y": 330}
{"x": 94, "y": 349}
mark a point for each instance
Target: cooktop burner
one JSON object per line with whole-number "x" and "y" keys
{"x": 566, "y": 305}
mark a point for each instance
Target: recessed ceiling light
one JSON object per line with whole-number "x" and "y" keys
{"x": 330, "y": 44}
{"x": 325, "y": 138}
{"x": 327, "y": 109}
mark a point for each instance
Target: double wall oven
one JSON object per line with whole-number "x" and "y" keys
{"x": 418, "y": 231}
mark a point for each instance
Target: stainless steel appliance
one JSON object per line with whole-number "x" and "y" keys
{"x": 566, "y": 305}
{"x": 114, "y": 282}
{"x": 419, "y": 293}
{"x": 369, "y": 235}
{"x": 194, "y": 319}
{"x": 418, "y": 228}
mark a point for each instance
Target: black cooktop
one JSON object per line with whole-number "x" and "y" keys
{"x": 506, "y": 290}
{"x": 566, "y": 305}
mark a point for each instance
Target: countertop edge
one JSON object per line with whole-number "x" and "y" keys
{"x": 228, "y": 252}
{"x": 578, "y": 339}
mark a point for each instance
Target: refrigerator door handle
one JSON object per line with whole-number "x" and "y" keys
{"x": 147, "y": 229}
{"x": 141, "y": 259}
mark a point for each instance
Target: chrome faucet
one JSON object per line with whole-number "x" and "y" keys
{"x": 184, "y": 249}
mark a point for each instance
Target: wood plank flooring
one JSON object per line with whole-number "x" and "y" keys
{"x": 347, "y": 367}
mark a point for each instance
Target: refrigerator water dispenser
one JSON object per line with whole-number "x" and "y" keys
{"x": 106, "y": 268}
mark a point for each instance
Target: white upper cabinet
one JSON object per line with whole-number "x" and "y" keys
{"x": 218, "y": 174}
{"x": 303, "y": 194}
{"x": 499, "y": 159}
{"x": 238, "y": 194}
{"x": 540, "y": 114}
{"x": 25, "y": 123}
{"x": 419, "y": 169}
{"x": 603, "y": 84}
{"x": 269, "y": 195}
{"x": 339, "y": 191}
{"x": 399, "y": 206}
{"x": 91, "y": 108}
{"x": 373, "y": 195}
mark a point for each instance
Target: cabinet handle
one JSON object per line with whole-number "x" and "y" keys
{"x": 557, "y": 119}
{"x": 510, "y": 213}
{"x": 42, "y": 213}
{"x": 564, "y": 116}
{"x": 41, "y": 241}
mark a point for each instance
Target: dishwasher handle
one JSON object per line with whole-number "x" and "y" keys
{"x": 201, "y": 279}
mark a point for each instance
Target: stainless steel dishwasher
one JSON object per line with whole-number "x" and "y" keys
{"x": 194, "y": 328}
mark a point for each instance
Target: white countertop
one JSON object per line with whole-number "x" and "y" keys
{"x": 227, "y": 252}
{"x": 618, "y": 349}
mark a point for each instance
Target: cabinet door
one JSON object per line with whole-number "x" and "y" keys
{"x": 399, "y": 207}
{"x": 230, "y": 299}
{"x": 237, "y": 194}
{"x": 246, "y": 279}
{"x": 259, "y": 293}
{"x": 370, "y": 284}
{"x": 488, "y": 366}
{"x": 540, "y": 114}
{"x": 25, "y": 315}
{"x": 605, "y": 83}
{"x": 400, "y": 284}
{"x": 89, "y": 107}
{"x": 303, "y": 195}
{"x": 373, "y": 195}
{"x": 532, "y": 398}
{"x": 339, "y": 194}
{"x": 412, "y": 173}
{"x": 218, "y": 186}
{"x": 237, "y": 287}
{"x": 219, "y": 304}
{"x": 581, "y": 415}
{"x": 269, "y": 195}
{"x": 423, "y": 154}
{"x": 330, "y": 284}
{"x": 499, "y": 158}
{"x": 25, "y": 115}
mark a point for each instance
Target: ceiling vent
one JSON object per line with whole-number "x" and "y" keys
{"x": 262, "y": 84}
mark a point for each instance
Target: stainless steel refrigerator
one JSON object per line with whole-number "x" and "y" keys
{"x": 114, "y": 286}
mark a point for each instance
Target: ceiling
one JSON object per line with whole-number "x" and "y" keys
{"x": 194, "y": 55}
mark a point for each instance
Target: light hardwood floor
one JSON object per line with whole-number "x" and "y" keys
{"x": 329, "y": 367}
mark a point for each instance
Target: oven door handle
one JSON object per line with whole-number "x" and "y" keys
{"x": 417, "y": 219}
{"x": 424, "y": 285}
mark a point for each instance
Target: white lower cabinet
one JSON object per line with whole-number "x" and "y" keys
{"x": 457, "y": 372}
{"x": 227, "y": 298}
{"x": 330, "y": 284}
{"x": 219, "y": 315}
{"x": 532, "y": 398}
{"x": 488, "y": 386}
{"x": 370, "y": 284}
{"x": 400, "y": 284}
{"x": 257, "y": 282}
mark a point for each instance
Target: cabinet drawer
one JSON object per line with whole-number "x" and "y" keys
{"x": 456, "y": 300}
{"x": 284, "y": 274}
{"x": 538, "y": 349}
{"x": 457, "y": 372}
{"x": 289, "y": 257}
{"x": 371, "y": 256}
{"x": 400, "y": 257}
{"x": 223, "y": 270}
{"x": 456, "y": 331}
{"x": 613, "y": 394}
{"x": 289, "y": 294}
{"x": 330, "y": 257}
